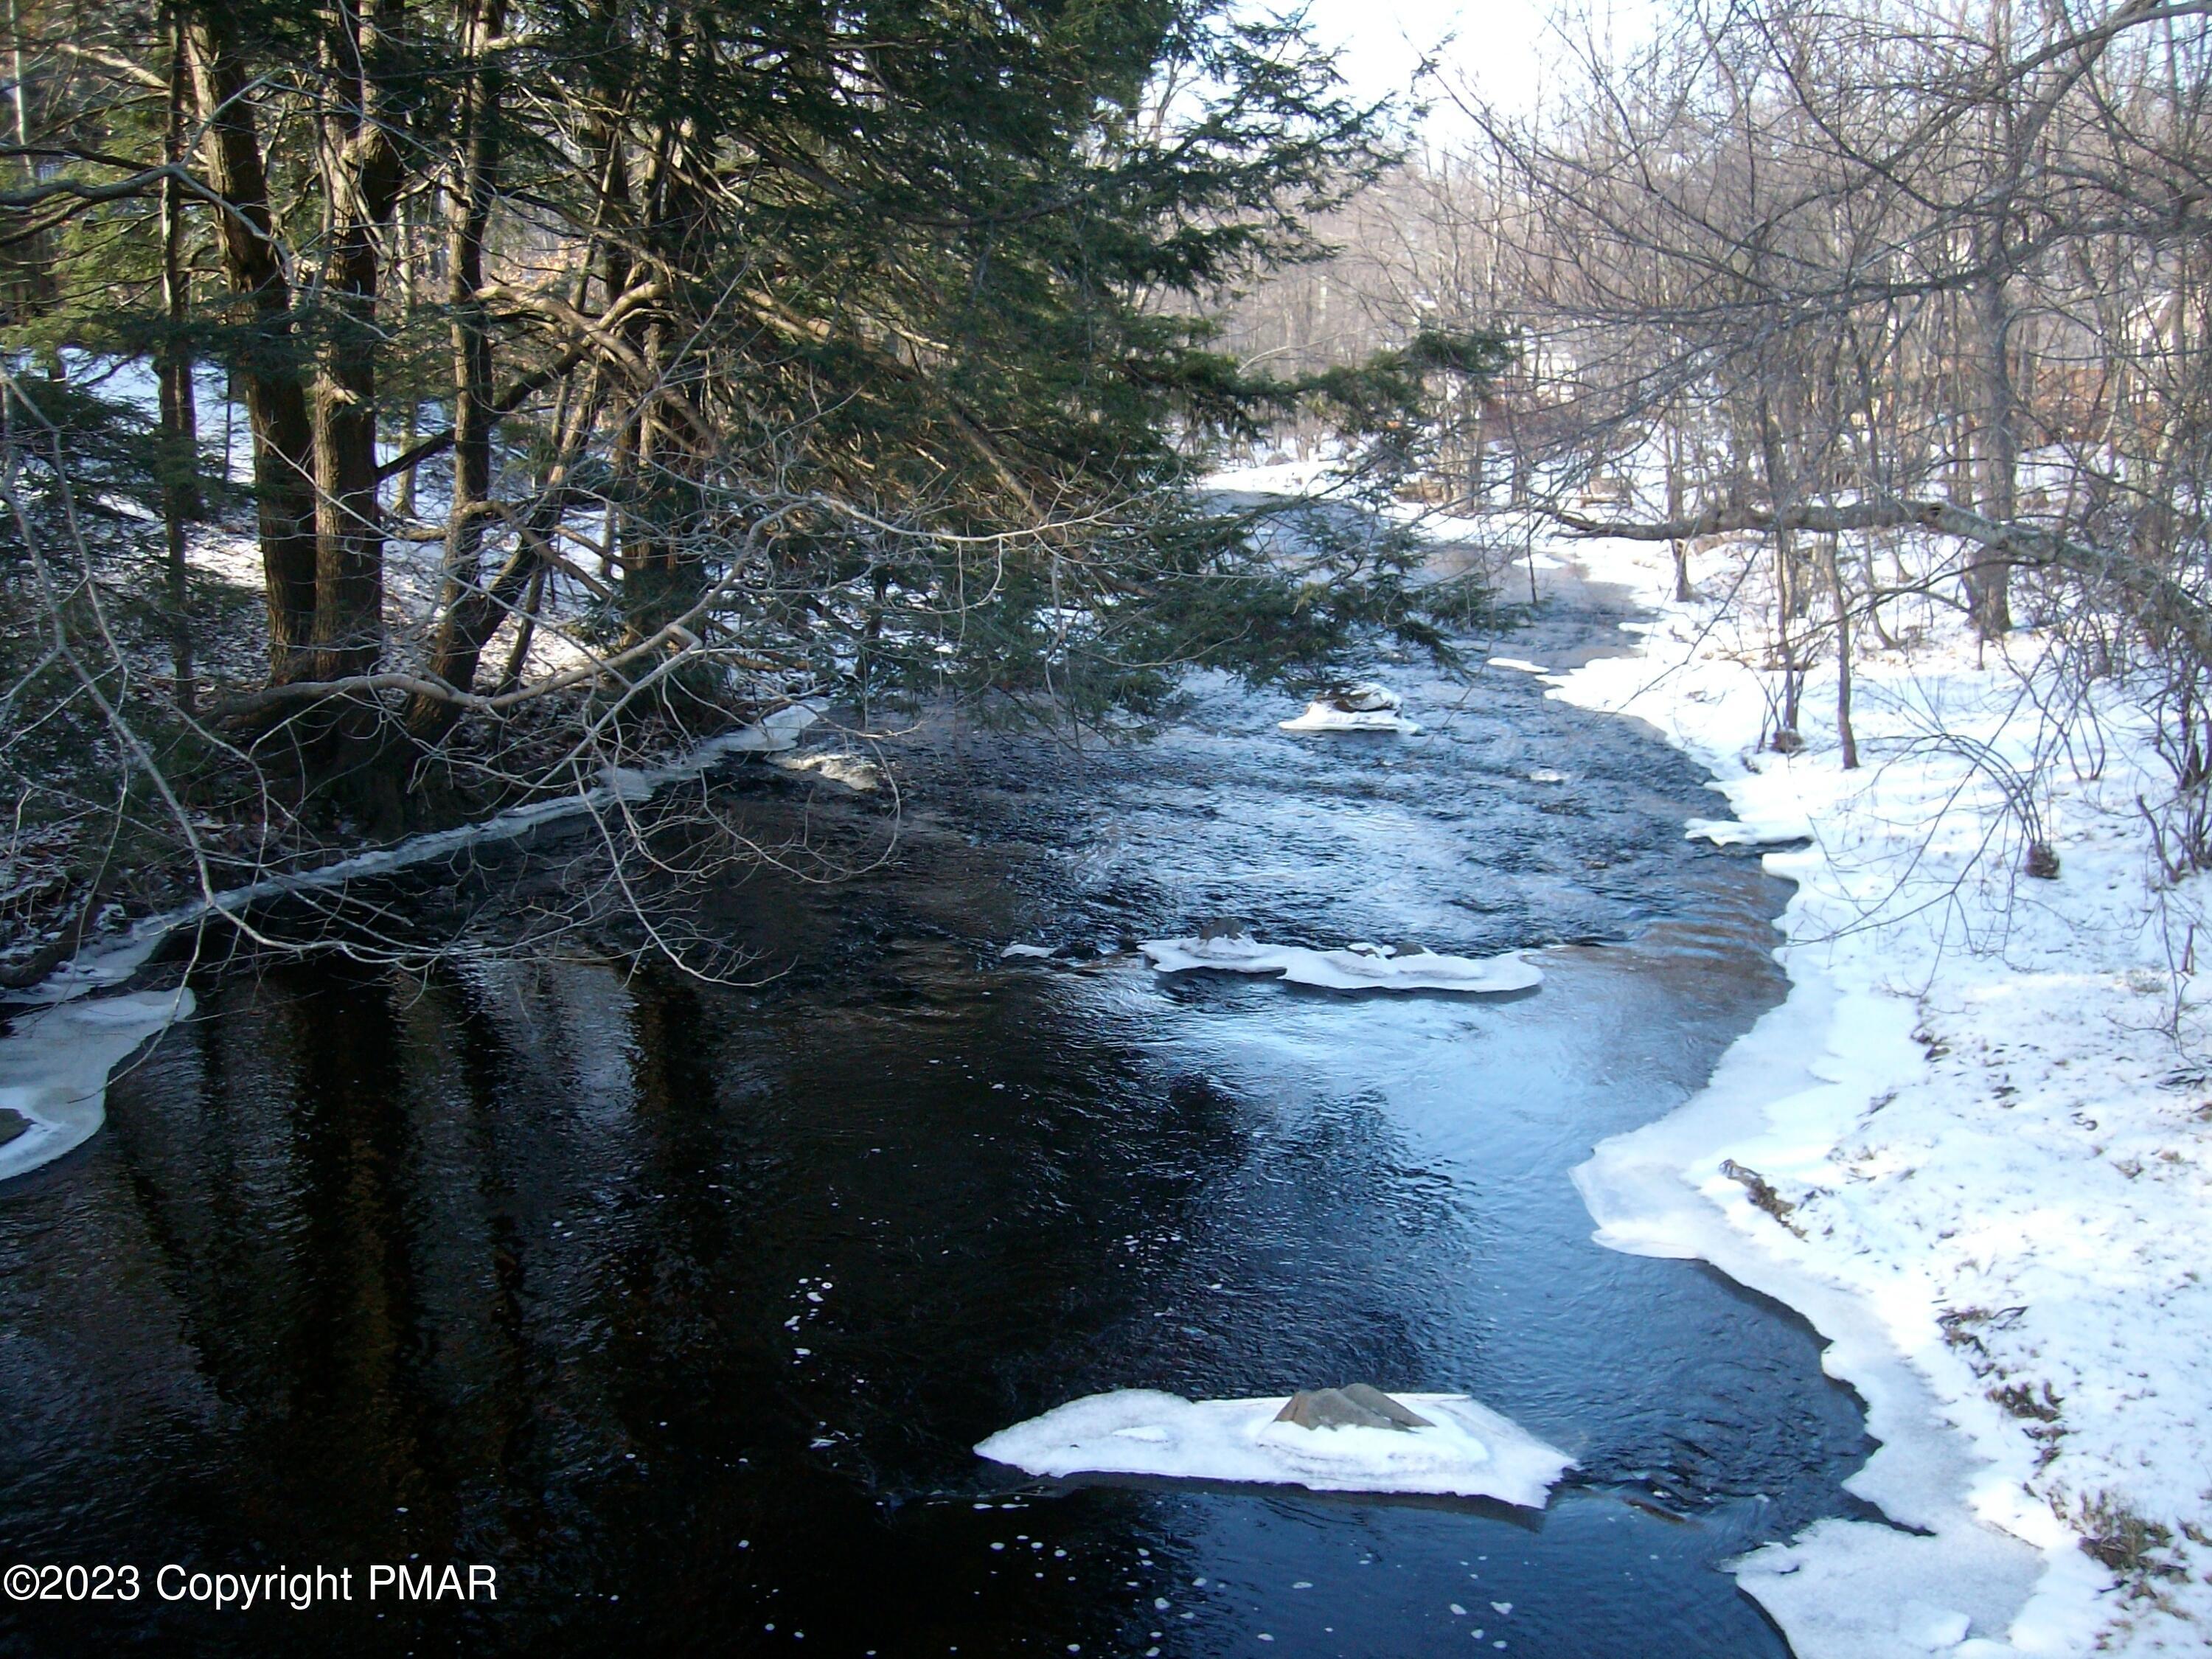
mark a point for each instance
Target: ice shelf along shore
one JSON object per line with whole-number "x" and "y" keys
{"x": 54, "y": 1063}
{"x": 1983, "y": 1165}
{"x": 1359, "y": 967}
{"x": 1465, "y": 1449}
{"x": 54, "y": 1068}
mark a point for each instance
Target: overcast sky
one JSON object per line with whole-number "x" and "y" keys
{"x": 1498, "y": 46}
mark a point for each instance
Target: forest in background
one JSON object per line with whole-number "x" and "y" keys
{"x": 413, "y": 409}
{"x": 592, "y": 376}
{"x": 1895, "y": 304}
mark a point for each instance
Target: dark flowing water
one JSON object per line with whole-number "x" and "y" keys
{"x": 682, "y": 1306}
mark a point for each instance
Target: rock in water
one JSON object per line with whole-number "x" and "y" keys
{"x": 1357, "y": 1405}
{"x": 1363, "y": 707}
{"x": 1365, "y": 698}
{"x": 1367, "y": 1395}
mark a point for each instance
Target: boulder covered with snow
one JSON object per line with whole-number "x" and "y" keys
{"x": 1367, "y": 697}
{"x": 1454, "y": 1446}
{"x": 1357, "y": 967}
{"x": 1365, "y": 707}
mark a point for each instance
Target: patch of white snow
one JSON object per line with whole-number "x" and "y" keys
{"x": 1466, "y": 1449}
{"x": 1359, "y": 967}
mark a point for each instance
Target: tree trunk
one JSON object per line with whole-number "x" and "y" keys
{"x": 275, "y": 403}
{"x": 1788, "y": 600}
{"x": 181, "y": 501}
{"x": 403, "y": 497}
{"x": 1988, "y": 597}
{"x": 1842, "y": 601}
{"x": 1679, "y": 546}
{"x": 457, "y": 648}
{"x": 361, "y": 180}
{"x": 525, "y": 630}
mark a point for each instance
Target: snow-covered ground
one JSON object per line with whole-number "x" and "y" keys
{"x": 1972, "y": 1146}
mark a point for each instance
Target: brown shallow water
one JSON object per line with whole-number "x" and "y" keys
{"x": 682, "y": 1306}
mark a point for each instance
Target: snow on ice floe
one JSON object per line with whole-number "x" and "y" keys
{"x": 1321, "y": 717}
{"x": 1365, "y": 706}
{"x": 1358, "y": 967}
{"x": 1465, "y": 1449}
{"x": 1520, "y": 665}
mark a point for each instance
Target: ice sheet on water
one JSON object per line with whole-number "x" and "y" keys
{"x": 1358, "y": 967}
{"x": 1465, "y": 1450}
{"x": 54, "y": 1068}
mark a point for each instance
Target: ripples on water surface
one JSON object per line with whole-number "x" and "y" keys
{"x": 684, "y": 1304}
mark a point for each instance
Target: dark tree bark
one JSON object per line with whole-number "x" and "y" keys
{"x": 181, "y": 501}
{"x": 462, "y": 633}
{"x": 1988, "y": 583}
{"x": 361, "y": 181}
{"x": 275, "y": 403}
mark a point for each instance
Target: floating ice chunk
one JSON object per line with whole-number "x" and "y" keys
{"x": 1520, "y": 665}
{"x": 1466, "y": 1450}
{"x": 1322, "y": 717}
{"x": 1042, "y": 951}
{"x": 1359, "y": 967}
{"x": 1366, "y": 707}
{"x": 1546, "y": 774}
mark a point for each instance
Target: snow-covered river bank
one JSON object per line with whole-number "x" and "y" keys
{"x": 1968, "y": 1147}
